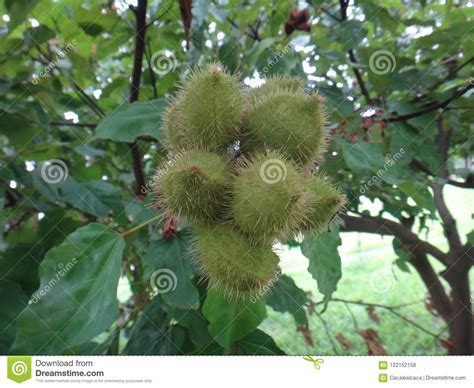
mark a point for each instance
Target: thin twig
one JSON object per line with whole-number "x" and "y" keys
{"x": 388, "y": 308}
{"x": 440, "y": 105}
{"x": 344, "y": 4}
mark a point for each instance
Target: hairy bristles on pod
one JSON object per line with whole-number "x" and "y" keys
{"x": 240, "y": 172}
{"x": 193, "y": 185}
{"x": 231, "y": 263}
{"x": 211, "y": 105}
{"x": 174, "y": 127}
{"x": 277, "y": 84}
{"x": 269, "y": 197}
{"x": 326, "y": 202}
{"x": 287, "y": 121}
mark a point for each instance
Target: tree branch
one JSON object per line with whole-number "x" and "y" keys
{"x": 467, "y": 184}
{"x": 344, "y": 4}
{"x": 432, "y": 108}
{"x": 140, "y": 31}
{"x": 234, "y": 24}
{"x": 150, "y": 69}
{"x": 382, "y": 226}
{"x": 449, "y": 223}
{"x": 418, "y": 250}
{"x": 452, "y": 74}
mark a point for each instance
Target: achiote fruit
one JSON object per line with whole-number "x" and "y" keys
{"x": 277, "y": 84}
{"x": 238, "y": 174}
{"x": 269, "y": 197}
{"x": 231, "y": 263}
{"x": 193, "y": 185}
{"x": 210, "y": 106}
{"x": 289, "y": 122}
{"x": 174, "y": 127}
{"x": 325, "y": 202}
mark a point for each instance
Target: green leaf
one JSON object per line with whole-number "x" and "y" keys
{"x": 150, "y": 334}
{"x": 199, "y": 11}
{"x": 362, "y": 156}
{"x": 98, "y": 198}
{"x": 286, "y": 296}
{"x": 18, "y": 11}
{"x": 231, "y": 320}
{"x": 194, "y": 322}
{"x": 403, "y": 256}
{"x": 350, "y": 33}
{"x": 470, "y": 237}
{"x": 37, "y": 35}
{"x": 387, "y": 20}
{"x": 324, "y": 261}
{"x": 12, "y": 301}
{"x": 19, "y": 263}
{"x": 229, "y": 55}
{"x": 337, "y": 102}
{"x": 77, "y": 298}
{"x": 259, "y": 343}
{"x": 420, "y": 194}
{"x": 131, "y": 120}
{"x": 172, "y": 255}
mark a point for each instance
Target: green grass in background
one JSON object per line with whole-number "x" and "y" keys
{"x": 362, "y": 255}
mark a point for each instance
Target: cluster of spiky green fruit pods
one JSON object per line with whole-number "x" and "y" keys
{"x": 239, "y": 173}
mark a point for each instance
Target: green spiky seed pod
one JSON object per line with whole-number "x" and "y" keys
{"x": 269, "y": 197}
{"x": 286, "y": 121}
{"x": 193, "y": 185}
{"x": 232, "y": 264}
{"x": 326, "y": 202}
{"x": 211, "y": 106}
{"x": 277, "y": 84}
{"x": 174, "y": 127}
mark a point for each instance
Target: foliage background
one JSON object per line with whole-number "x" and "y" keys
{"x": 83, "y": 86}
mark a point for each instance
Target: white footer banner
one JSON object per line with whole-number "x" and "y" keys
{"x": 230, "y": 371}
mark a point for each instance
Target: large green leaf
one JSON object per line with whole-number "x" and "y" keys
{"x": 286, "y": 296}
{"x": 231, "y": 320}
{"x": 131, "y": 120}
{"x": 324, "y": 261}
{"x": 98, "y": 198}
{"x": 150, "y": 335}
{"x": 195, "y": 322}
{"x": 362, "y": 155}
{"x": 259, "y": 343}
{"x": 12, "y": 301}
{"x": 168, "y": 266}
{"x": 77, "y": 298}
{"x": 19, "y": 263}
